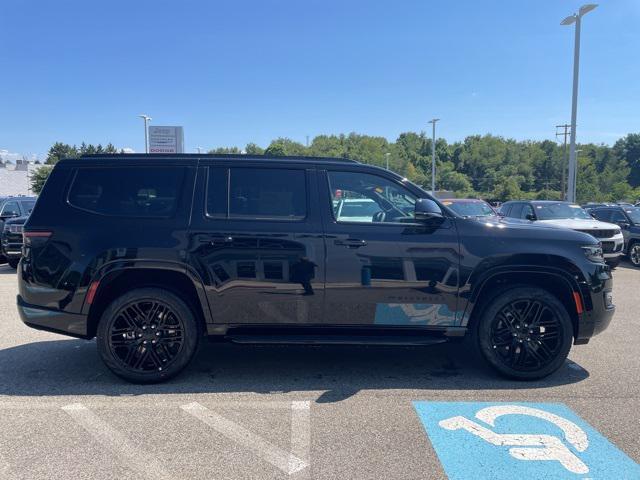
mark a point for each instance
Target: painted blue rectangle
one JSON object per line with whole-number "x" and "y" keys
{"x": 506, "y": 441}
{"x": 414, "y": 314}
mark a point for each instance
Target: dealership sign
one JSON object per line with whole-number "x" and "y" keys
{"x": 166, "y": 139}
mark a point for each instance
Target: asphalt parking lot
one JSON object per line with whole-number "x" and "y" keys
{"x": 286, "y": 412}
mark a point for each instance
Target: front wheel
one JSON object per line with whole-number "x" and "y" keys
{"x": 147, "y": 335}
{"x": 634, "y": 253}
{"x": 525, "y": 333}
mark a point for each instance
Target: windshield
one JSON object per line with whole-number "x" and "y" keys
{"x": 471, "y": 209}
{"x": 634, "y": 214}
{"x": 554, "y": 211}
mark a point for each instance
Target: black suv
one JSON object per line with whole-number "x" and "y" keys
{"x": 628, "y": 218}
{"x": 11, "y": 240}
{"x": 149, "y": 253}
{"x": 12, "y": 207}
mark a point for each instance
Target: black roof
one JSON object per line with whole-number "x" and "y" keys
{"x": 192, "y": 157}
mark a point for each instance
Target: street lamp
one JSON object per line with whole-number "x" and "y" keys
{"x": 146, "y": 119}
{"x": 570, "y": 20}
{"x": 387, "y": 157}
{"x": 433, "y": 156}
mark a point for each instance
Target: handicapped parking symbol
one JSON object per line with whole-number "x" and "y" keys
{"x": 477, "y": 440}
{"x": 527, "y": 446}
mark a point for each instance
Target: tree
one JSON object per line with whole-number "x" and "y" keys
{"x": 39, "y": 177}
{"x": 253, "y": 149}
{"x": 60, "y": 150}
{"x": 628, "y": 148}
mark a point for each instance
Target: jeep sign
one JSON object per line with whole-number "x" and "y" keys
{"x": 166, "y": 139}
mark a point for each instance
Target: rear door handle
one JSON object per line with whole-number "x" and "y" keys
{"x": 351, "y": 243}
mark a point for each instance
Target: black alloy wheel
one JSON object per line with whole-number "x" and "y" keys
{"x": 147, "y": 335}
{"x": 525, "y": 333}
{"x": 634, "y": 253}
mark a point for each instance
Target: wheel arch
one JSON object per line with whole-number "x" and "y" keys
{"x": 114, "y": 281}
{"x": 558, "y": 282}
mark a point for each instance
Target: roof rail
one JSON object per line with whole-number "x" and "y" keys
{"x": 221, "y": 156}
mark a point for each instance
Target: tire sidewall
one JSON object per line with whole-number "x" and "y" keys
{"x": 483, "y": 333}
{"x": 633, "y": 244}
{"x": 189, "y": 347}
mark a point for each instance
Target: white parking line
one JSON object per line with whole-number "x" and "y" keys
{"x": 301, "y": 430}
{"x": 139, "y": 461}
{"x": 287, "y": 462}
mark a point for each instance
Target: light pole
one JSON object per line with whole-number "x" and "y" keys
{"x": 146, "y": 119}
{"x": 387, "y": 155}
{"x": 577, "y": 19}
{"x": 433, "y": 156}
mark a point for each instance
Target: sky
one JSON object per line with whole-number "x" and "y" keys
{"x": 233, "y": 72}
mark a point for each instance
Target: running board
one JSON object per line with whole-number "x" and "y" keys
{"x": 394, "y": 340}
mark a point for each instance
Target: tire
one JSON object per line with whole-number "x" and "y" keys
{"x": 147, "y": 335}
{"x": 518, "y": 352}
{"x": 634, "y": 253}
{"x": 13, "y": 262}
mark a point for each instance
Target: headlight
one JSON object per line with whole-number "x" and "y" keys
{"x": 593, "y": 253}
{"x": 617, "y": 231}
{"x": 7, "y": 227}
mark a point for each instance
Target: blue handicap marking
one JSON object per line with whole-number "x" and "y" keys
{"x": 541, "y": 441}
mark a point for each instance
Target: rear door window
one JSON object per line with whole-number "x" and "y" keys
{"x": 516, "y": 210}
{"x": 127, "y": 191}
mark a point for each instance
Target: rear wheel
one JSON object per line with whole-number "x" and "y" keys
{"x": 525, "y": 333}
{"x": 147, "y": 335}
{"x": 634, "y": 253}
{"x": 13, "y": 262}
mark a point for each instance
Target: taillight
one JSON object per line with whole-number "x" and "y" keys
{"x": 32, "y": 237}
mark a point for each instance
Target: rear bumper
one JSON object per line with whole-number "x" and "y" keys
{"x": 56, "y": 321}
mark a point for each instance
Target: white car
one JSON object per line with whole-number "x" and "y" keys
{"x": 568, "y": 215}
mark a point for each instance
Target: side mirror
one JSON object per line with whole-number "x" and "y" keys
{"x": 530, "y": 217}
{"x": 624, "y": 225}
{"x": 425, "y": 210}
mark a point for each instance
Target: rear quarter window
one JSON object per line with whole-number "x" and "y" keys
{"x": 127, "y": 191}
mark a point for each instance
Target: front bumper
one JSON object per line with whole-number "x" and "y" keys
{"x": 612, "y": 248}
{"x": 50, "y": 320}
{"x": 597, "y": 319}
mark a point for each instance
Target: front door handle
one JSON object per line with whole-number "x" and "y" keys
{"x": 216, "y": 239}
{"x": 351, "y": 243}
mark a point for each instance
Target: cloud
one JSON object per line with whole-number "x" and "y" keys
{"x": 128, "y": 150}
{"x": 8, "y": 156}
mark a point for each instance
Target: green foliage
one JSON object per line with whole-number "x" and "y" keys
{"x": 479, "y": 166}
{"x": 39, "y": 176}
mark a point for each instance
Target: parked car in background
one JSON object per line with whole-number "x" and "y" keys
{"x": 628, "y": 219}
{"x": 12, "y": 207}
{"x": 11, "y": 240}
{"x": 568, "y": 215}
{"x": 470, "y": 207}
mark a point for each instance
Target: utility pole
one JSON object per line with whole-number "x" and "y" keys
{"x": 307, "y": 141}
{"x": 433, "y": 156}
{"x": 576, "y": 19}
{"x": 146, "y": 119}
{"x": 387, "y": 155}
{"x": 566, "y": 128}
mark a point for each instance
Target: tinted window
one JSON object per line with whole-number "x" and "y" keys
{"x": 127, "y": 192}
{"x": 267, "y": 193}
{"x": 602, "y": 215}
{"x": 516, "y": 210}
{"x": 11, "y": 208}
{"x": 365, "y": 198}
{"x": 527, "y": 212}
{"x": 28, "y": 205}
{"x": 217, "y": 192}
{"x": 618, "y": 217}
